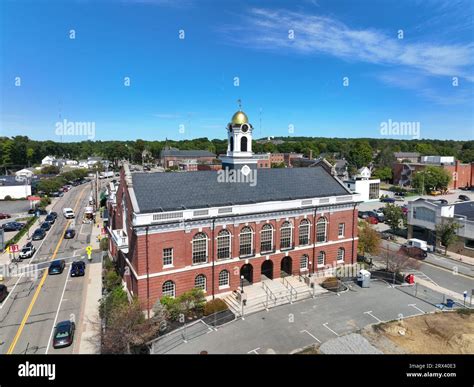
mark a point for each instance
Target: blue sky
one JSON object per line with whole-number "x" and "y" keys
{"x": 287, "y": 82}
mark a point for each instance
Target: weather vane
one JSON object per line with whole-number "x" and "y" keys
{"x": 239, "y": 101}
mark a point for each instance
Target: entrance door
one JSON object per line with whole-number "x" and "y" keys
{"x": 247, "y": 272}
{"x": 267, "y": 269}
{"x": 286, "y": 264}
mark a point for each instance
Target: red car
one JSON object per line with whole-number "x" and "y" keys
{"x": 372, "y": 220}
{"x": 4, "y": 216}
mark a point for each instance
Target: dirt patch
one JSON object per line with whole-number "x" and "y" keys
{"x": 439, "y": 333}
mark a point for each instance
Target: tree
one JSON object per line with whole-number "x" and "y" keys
{"x": 446, "y": 232}
{"x": 50, "y": 170}
{"x": 369, "y": 239}
{"x": 360, "y": 155}
{"x": 384, "y": 173}
{"x": 430, "y": 179}
{"x": 396, "y": 261}
{"x": 394, "y": 217}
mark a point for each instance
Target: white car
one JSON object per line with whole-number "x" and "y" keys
{"x": 68, "y": 213}
{"x": 27, "y": 252}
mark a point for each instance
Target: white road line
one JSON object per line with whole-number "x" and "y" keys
{"x": 254, "y": 351}
{"x": 325, "y": 325}
{"x": 414, "y": 306}
{"x": 371, "y": 315}
{"x": 313, "y": 336}
{"x": 41, "y": 244}
{"x": 57, "y": 312}
{"x": 10, "y": 292}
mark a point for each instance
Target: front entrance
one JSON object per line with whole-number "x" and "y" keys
{"x": 246, "y": 271}
{"x": 285, "y": 267}
{"x": 267, "y": 269}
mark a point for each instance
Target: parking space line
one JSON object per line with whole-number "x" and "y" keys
{"x": 313, "y": 336}
{"x": 325, "y": 325}
{"x": 254, "y": 351}
{"x": 414, "y": 306}
{"x": 371, "y": 315}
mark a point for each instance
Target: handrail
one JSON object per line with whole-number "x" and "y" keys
{"x": 269, "y": 293}
{"x": 292, "y": 290}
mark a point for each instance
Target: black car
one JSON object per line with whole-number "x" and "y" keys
{"x": 53, "y": 214}
{"x": 13, "y": 226}
{"x": 70, "y": 233}
{"x": 63, "y": 334}
{"x": 78, "y": 269}
{"x": 442, "y": 201}
{"x": 38, "y": 234}
{"x": 50, "y": 219}
{"x": 363, "y": 214}
{"x": 57, "y": 266}
{"x": 464, "y": 198}
{"x": 57, "y": 194}
{"x": 46, "y": 226}
{"x": 3, "y": 292}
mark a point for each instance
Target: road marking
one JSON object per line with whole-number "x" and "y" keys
{"x": 371, "y": 315}
{"x": 314, "y": 337}
{"x": 325, "y": 325}
{"x": 40, "y": 286}
{"x": 57, "y": 311}
{"x": 254, "y": 351}
{"x": 414, "y": 306}
{"x": 11, "y": 291}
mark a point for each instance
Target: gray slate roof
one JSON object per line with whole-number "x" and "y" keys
{"x": 157, "y": 192}
{"x": 465, "y": 209}
{"x": 186, "y": 153}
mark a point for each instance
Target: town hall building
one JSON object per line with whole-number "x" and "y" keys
{"x": 172, "y": 232}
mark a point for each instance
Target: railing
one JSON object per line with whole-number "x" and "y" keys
{"x": 269, "y": 294}
{"x": 120, "y": 238}
{"x": 292, "y": 290}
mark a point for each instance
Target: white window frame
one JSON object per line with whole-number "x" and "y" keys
{"x": 198, "y": 239}
{"x": 164, "y": 292}
{"x": 304, "y": 259}
{"x": 323, "y": 254}
{"x": 242, "y": 232}
{"x": 203, "y": 277}
{"x": 227, "y": 284}
{"x": 339, "y": 234}
{"x": 343, "y": 254}
{"x": 306, "y": 224}
{"x": 265, "y": 229}
{"x": 166, "y": 257}
{"x": 286, "y": 226}
{"x": 322, "y": 221}
{"x": 221, "y": 236}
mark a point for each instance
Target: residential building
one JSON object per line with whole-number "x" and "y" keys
{"x": 171, "y": 232}
{"x": 424, "y": 215}
{"x": 26, "y": 172}
{"x": 363, "y": 184}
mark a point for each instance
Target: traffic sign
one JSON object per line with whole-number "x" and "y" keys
{"x": 14, "y": 248}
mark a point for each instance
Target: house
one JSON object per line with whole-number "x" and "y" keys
{"x": 26, "y": 172}
{"x": 48, "y": 160}
{"x": 424, "y": 215}
{"x": 16, "y": 187}
{"x": 205, "y": 230}
{"x": 363, "y": 184}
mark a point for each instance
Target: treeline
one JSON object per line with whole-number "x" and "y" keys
{"x": 20, "y": 151}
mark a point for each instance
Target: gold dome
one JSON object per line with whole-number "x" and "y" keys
{"x": 240, "y": 118}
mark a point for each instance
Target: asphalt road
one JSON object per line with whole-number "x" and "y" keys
{"x": 35, "y": 305}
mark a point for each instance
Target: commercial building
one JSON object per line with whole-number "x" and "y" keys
{"x": 171, "y": 157}
{"x": 15, "y": 187}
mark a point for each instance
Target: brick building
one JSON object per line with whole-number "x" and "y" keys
{"x": 172, "y": 157}
{"x": 171, "y": 232}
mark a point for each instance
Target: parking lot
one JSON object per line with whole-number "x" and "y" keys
{"x": 289, "y": 328}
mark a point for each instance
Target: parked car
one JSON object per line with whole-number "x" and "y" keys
{"x": 363, "y": 214}
{"x": 400, "y": 193}
{"x": 435, "y": 193}
{"x": 68, "y": 213}
{"x": 387, "y": 236}
{"x": 57, "y": 266}
{"x": 464, "y": 198}
{"x": 372, "y": 220}
{"x": 36, "y": 211}
{"x": 146, "y": 168}
{"x": 27, "y": 252}
{"x": 4, "y": 216}
{"x": 70, "y": 233}
{"x": 54, "y": 214}
{"x": 387, "y": 200}
{"x": 13, "y": 226}
{"x": 57, "y": 194}
{"x": 377, "y": 214}
{"x": 442, "y": 201}
{"x": 46, "y": 226}
{"x": 63, "y": 334}
{"x": 78, "y": 269}
{"x": 3, "y": 292}
{"x": 50, "y": 219}
{"x": 414, "y": 252}
{"x": 38, "y": 234}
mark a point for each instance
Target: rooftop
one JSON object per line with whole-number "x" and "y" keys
{"x": 157, "y": 192}
{"x": 465, "y": 209}
{"x": 186, "y": 153}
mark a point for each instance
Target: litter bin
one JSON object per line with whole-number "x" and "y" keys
{"x": 410, "y": 278}
{"x": 363, "y": 278}
{"x": 449, "y": 303}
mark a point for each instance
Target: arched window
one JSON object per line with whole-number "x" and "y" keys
{"x": 232, "y": 144}
{"x": 200, "y": 282}
{"x": 321, "y": 258}
{"x": 266, "y": 238}
{"x": 340, "y": 254}
{"x": 321, "y": 230}
{"x": 223, "y": 245}
{"x": 286, "y": 232}
{"x": 304, "y": 232}
{"x": 169, "y": 289}
{"x": 200, "y": 248}
{"x": 223, "y": 278}
{"x": 304, "y": 261}
{"x": 243, "y": 144}
{"x": 246, "y": 241}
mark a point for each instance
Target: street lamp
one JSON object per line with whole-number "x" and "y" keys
{"x": 241, "y": 284}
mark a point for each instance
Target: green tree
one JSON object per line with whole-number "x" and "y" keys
{"x": 446, "y": 232}
{"x": 430, "y": 179}
{"x": 384, "y": 173}
{"x": 394, "y": 217}
{"x": 360, "y": 155}
{"x": 369, "y": 239}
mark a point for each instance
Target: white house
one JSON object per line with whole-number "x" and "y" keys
{"x": 361, "y": 183}
{"x": 48, "y": 160}
{"x": 26, "y": 172}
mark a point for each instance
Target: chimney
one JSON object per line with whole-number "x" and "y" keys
{"x": 311, "y": 154}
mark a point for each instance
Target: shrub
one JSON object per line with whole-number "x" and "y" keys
{"x": 173, "y": 306}
{"x": 214, "y": 306}
{"x": 331, "y": 283}
{"x": 44, "y": 201}
{"x": 112, "y": 280}
{"x": 113, "y": 301}
{"x": 104, "y": 244}
{"x": 8, "y": 197}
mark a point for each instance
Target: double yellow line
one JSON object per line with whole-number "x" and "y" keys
{"x": 38, "y": 290}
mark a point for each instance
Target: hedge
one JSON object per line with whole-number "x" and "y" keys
{"x": 214, "y": 306}
{"x": 22, "y": 232}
